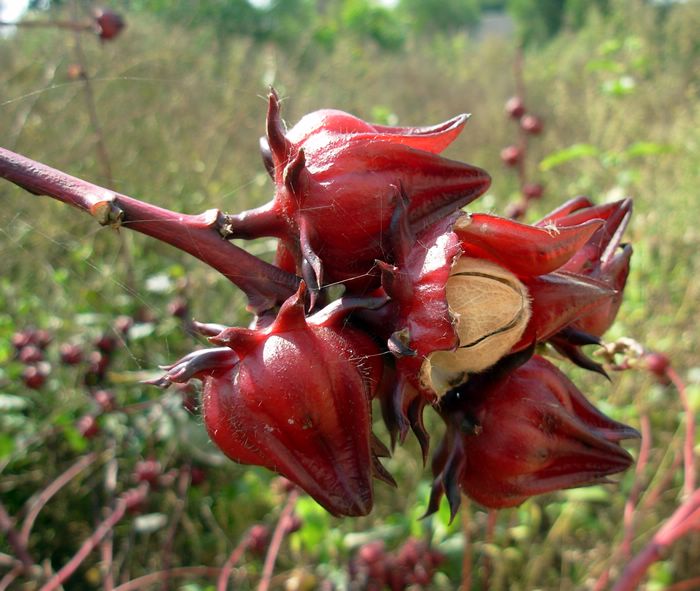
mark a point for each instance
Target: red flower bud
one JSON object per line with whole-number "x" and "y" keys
{"x": 657, "y": 364}
{"x": 108, "y": 24}
{"x": 526, "y": 433}
{"x": 105, "y": 399}
{"x": 70, "y": 354}
{"x": 88, "y": 426}
{"x": 34, "y": 376}
{"x": 533, "y": 190}
{"x": 31, "y": 354}
{"x": 511, "y": 155}
{"x": 295, "y": 397}
{"x": 148, "y": 471}
{"x": 531, "y": 124}
{"x": 336, "y": 178}
{"x": 515, "y": 107}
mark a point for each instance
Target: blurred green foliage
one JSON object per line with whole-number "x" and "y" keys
{"x": 182, "y": 111}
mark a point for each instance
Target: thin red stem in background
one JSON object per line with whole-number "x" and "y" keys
{"x": 100, "y": 532}
{"x": 183, "y": 485}
{"x": 276, "y": 541}
{"x": 107, "y": 544}
{"x": 20, "y": 548}
{"x": 684, "y": 520}
{"x": 48, "y": 492}
{"x": 689, "y": 441}
{"x": 102, "y": 152}
{"x": 518, "y": 66}
{"x": 625, "y": 548}
{"x": 232, "y": 560}
{"x": 468, "y": 547}
{"x": 173, "y": 573}
{"x": 637, "y": 487}
{"x": 489, "y": 537}
{"x": 264, "y": 284}
{"x": 9, "y": 578}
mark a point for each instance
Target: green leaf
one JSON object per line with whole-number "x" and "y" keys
{"x": 623, "y": 86}
{"x": 567, "y": 155}
{"x": 638, "y": 149}
{"x": 7, "y": 445}
{"x": 604, "y": 65}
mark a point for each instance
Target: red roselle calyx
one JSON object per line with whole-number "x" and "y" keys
{"x": 295, "y": 397}
{"x": 515, "y": 107}
{"x": 108, "y": 24}
{"x": 511, "y": 155}
{"x": 521, "y": 433}
{"x": 441, "y": 308}
{"x": 500, "y": 303}
{"x": 336, "y": 180}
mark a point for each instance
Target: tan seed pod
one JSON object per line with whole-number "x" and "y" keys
{"x": 491, "y": 308}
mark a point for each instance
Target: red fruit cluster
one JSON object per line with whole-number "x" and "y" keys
{"x": 413, "y": 566}
{"x": 440, "y": 309}
{"x": 513, "y": 156}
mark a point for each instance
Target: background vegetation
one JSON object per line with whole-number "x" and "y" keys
{"x": 180, "y": 103}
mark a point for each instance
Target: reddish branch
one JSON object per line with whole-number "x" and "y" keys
{"x": 200, "y": 235}
{"x": 48, "y": 492}
{"x": 689, "y": 441}
{"x": 276, "y": 541}
{"x": 130, "y": 498}
{"x": 625, "y": 548}
{"x": 20, "y": 549}
{"x": 232, "y": 560}
{"x": 184, "y": 571}
{"x": 686, "y": 519}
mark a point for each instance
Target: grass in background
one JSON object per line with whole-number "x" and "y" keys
{"x": 181, "y": 117}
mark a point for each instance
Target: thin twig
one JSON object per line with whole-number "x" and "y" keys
{"x": 637, "y": 487}
{"x": 102, "y": 153}
{"x": 132, "y": 496}
{"x": 232, "y": 560}
{"x": 9, "y": 577}
{"x": 489, "y": 537}
{"x": 276, "y": 541}
{"x": 107, "y": 544}
{"x": 625, "y": 548}
{"x": 20, "y": 548}
{"x": 183, "y": 485}
{"x": 49, "y": 491}
{"x": 183, "y": 571}
{"x": 689, "y": 441}
{"x": 468, "y": 548}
